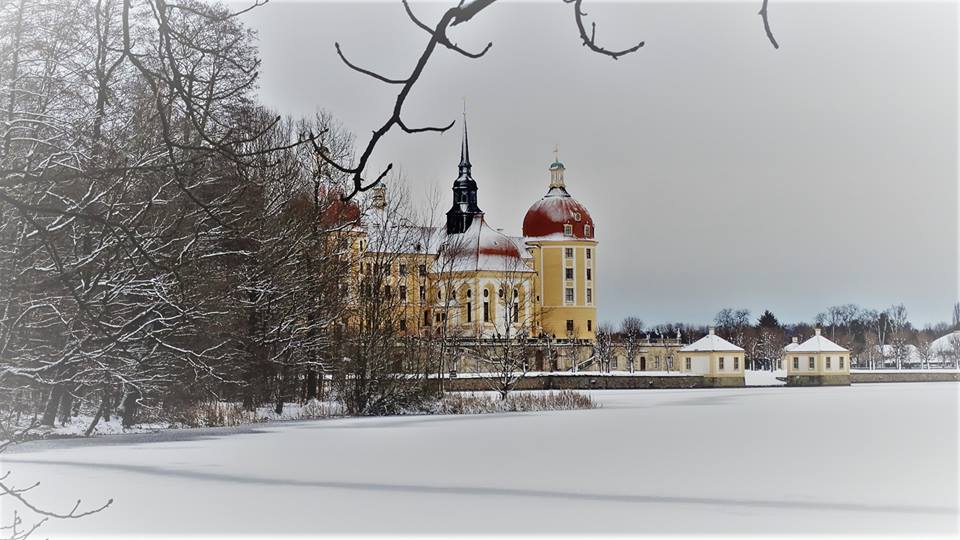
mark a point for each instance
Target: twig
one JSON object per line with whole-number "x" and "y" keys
{"x": 766, "y": 25}
{"x": 591, "y": 41}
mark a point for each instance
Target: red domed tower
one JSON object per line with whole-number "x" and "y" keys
{"x": 560, "y": 233}
{"x": 557, "y": 214}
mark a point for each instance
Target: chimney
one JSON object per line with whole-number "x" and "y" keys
{"x": 712, "y": 330}
{"x": 795, "y": 339}
{"x": 816, "y": 331}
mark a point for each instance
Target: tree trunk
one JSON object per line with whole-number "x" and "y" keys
{"x": 128, "y": 407}
{"x": 53, "y": 405}
{"x": 101, "y": 411}
{"x": 106, "y": 398}
{"x": 66, "y": 405}
{"x": 312, "y": 384}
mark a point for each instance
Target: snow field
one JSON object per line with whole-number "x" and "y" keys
{"x": 867, "y": 459}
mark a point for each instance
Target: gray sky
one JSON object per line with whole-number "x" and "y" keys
{"x": 719, "y": 171}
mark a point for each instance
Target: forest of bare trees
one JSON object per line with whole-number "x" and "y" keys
{"x": 165, "y": 240}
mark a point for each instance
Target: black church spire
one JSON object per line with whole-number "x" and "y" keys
{"x": 464, "y": 208}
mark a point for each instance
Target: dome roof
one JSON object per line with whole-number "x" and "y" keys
{"x": 557, "y": 208}
{"x": 482, "y": 248}
{"x": 493, "y": 242}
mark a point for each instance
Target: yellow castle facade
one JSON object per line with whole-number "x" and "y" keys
{"x": 468, "y": 279}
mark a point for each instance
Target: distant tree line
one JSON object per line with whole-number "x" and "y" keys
{"x": 876, "y": 338}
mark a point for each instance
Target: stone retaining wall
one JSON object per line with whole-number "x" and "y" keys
{"x": 593, "y": 382}
{"x": 904, "y": 376}
{"x": 818, "y": 380}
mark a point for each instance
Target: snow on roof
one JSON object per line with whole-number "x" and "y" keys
{"x": 946, "y": 344}
{"x": 818, "y": 343}
{"x": 482, "y": 248}
{"x": 792, "y": 345}
{"x": 711, "y": 343}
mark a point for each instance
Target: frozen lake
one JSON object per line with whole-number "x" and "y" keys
{"x": 868, "y": 458}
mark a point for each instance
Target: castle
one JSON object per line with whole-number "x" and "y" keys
{"x": 468, "y": 279}
{"x": 468, "y": 282}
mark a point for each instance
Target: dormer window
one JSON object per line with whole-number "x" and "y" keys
{"x": 576, "y": 216}
{"x": 587, "y": 230}
{"x": 567, "y": 229}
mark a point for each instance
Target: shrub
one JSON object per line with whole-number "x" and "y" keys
{"x": 470, "y": 403}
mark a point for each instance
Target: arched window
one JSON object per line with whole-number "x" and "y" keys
{"x": 486, "y": 293}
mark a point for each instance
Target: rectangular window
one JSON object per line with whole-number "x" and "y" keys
{"x": 828, "y": 362}
{"x": 841, "y": 362}
{"x": 813, "y": 362}
{"x": 386, "y": 291}
{"x": 589, "y": 274}
{"x": 469, "y": 312}
{"x": 589, "y": 296}
{"x": 736, "y": 363}
{"x": 570, "y": 325}
{"x": 689, "y": 363}
{"x": 721, "y": 362}
{"x": 403, "y": 324}
{"x": 486, "y": 312}
{"x": 516, "y": 312}
{"x": 568, "y": 253}
{"x": 568, "y": 230}
{"x": 403, "y": 293}
{"x": 796, "y": 362}
{"x": 403, "y": 269}
{"x": 426, "y": 318}
{"x": 589, "y": 325}
{"x": 589, "y": 253}
{"x": 437, "y": 317}
{"x": 568, "y": 295}
{"x": 422, "y": 269}
{"x": 586, "y": 231}
{"x": 568, "y": 273}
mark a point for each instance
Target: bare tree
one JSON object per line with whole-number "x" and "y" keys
{"x": 631, "y": 330}
{"x": 503, "y": 355}
{"x": 732, "y": 324}
{"x": 603, "y": 347}
{"x": 899, "y": 328}
{"x": 924, "y": 352}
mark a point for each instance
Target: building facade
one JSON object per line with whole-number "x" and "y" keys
{"x": 466, "y": 279}
{"x": 817, "y": 361}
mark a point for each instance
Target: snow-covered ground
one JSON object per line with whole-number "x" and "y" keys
{"x": 869, "y": 458}
{"x": 764, "y": 377}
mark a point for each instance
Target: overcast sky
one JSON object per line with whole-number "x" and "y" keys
{"x": 719, "y": 171}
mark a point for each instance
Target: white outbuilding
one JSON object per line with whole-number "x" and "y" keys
{"x": 714, "y": 357}
{"x": 817, "y": 361}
